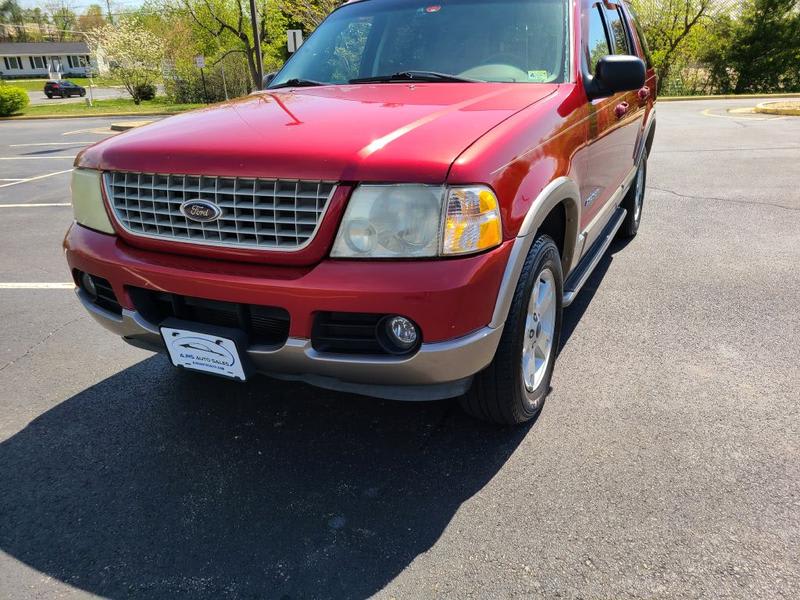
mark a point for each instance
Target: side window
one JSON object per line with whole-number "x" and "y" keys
{"x": 597, "y": 46}
{"x": 617, "y": 32}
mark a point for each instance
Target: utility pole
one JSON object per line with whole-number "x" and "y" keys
{"x": 110, "y": 15}
{"x": 257, "y": 42}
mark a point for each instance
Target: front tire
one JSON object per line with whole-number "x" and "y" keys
{"x": 512, "y": 389}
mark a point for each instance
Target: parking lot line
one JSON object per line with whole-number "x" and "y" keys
{"x": 70, "y": 157}
{"x": 34, "y": 205}
{"x": 34, "y": 178}
{"x": 37, "y": 286}
{"x": 51, "y": 144}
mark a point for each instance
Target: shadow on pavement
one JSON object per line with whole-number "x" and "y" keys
{"x": 574, "y": 313}
{"x": 155, "y": 483}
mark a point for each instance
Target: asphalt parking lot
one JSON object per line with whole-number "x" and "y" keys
{"x": 666, "y": 462}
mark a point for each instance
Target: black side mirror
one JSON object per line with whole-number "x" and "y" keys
{"x": 267, "y": 79}
{"x": 616, "y": 73}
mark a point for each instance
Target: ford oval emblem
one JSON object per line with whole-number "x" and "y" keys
{"x": 202, "y": 211}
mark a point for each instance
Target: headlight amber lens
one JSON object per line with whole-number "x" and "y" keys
{"x": 472, "y": 221}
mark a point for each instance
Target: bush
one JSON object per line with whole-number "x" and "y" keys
{"x": 145, "y": 91}
{"x": 186, "y": 85}
{"x": 12, "y": 100}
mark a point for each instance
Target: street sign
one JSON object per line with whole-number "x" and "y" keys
{"x": 295, "y": 39}
{"x": 200, "y": 61}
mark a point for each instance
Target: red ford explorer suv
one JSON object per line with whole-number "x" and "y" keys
{"x": 403, "y": 212}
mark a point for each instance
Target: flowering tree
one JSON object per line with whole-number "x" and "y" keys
{"x": 134, "y": 55}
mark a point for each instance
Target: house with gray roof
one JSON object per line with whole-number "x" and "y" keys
{"x": 46, "y": 59}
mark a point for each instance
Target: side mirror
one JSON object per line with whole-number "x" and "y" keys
{"x": 267, "y": 79}
{"x": 616, "y": 73}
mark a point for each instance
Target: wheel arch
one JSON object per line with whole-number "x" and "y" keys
{"x": 557, "y": 202}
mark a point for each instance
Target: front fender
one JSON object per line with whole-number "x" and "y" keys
{"x": 562, "y": 190}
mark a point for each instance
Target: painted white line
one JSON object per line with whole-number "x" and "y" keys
{"x": 5, "y": 185}
{"x": 50, "y": 144}
{"x": 34, "y": 205}
{"x": 71, "y": 157}
{"x": 95, "y": 130}
{"x": 14, "y": 179}
{"x": 36, "y": 286}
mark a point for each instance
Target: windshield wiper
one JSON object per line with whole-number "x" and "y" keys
{"x": 297, "y": 83}
{"x": 415, "y": 76}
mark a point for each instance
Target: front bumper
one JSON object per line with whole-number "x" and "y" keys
{"x": 439, "y": 295}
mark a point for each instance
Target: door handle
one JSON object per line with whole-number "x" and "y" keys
{"x": 621, "y": 109}
{"x": 644, "y": 93}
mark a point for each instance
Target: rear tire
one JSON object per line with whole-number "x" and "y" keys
{"x": 634, "y": 202}
{"x": 50, "y": 96}
{"x": 512, "y": 389}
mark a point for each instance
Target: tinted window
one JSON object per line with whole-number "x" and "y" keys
{"x": 490, "y": 40}
{"x": 598, "y": 42}
{"x": 617, "y": 33}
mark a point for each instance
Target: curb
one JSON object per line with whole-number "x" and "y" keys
{"x": 97, "y": 115}
{"x": 766, "y": 109}
{"x": 724, "y": 97}
{"x": 126, "y": 125}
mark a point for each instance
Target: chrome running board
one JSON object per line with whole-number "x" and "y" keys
{"x": 580, "y": 274}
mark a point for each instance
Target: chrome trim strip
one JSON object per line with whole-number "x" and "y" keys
{"x": 212, "y": 243}
{"x": 434, "y": 363}
{"x": 569, "y": 295}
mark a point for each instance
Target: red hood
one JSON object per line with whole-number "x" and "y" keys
{"x": 389, "y": 132}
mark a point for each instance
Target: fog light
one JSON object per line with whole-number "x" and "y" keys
{"x": 403, "y": 331}
{"x": 397, "y": 335}
{"x": 88, "y": 285}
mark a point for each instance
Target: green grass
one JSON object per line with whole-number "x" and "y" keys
{"x": 101, "y": 107}
{"x": 37, "y": 85}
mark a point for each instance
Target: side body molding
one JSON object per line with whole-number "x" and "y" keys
{"x": 561, "y": 190}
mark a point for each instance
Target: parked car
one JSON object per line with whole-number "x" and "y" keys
{"x": 403, "y": 213}
{"x": 63, "y": 88}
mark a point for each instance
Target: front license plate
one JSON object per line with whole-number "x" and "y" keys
{"x": 203, "y": 352}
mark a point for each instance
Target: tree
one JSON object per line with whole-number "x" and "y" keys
{"x": 92, "y": 18}
{"x": 134, "y": 55}
{"x": 62, "y": 16}
{"x": 228, "y": 22}
{"x": 764, "y": 49}
{"x": 667, "y": 25}
{"x": 11, "y": 14}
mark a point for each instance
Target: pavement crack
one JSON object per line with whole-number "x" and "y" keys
{"x": 727, "y": 200}
{"x": 35, "y": 345}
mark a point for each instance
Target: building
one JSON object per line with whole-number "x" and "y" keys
{"x": 46, "y": 59}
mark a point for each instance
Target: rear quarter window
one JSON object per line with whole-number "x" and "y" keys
{"x": 617, "y": 30}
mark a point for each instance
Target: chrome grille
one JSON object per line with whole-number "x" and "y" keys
{"x": 270, "y": 214}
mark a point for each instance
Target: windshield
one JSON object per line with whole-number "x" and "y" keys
{"x": 486, "y": 40}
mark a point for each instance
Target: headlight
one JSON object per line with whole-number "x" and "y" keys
{"x": 87, "y": 200}
{"x": 412, "y": 221}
